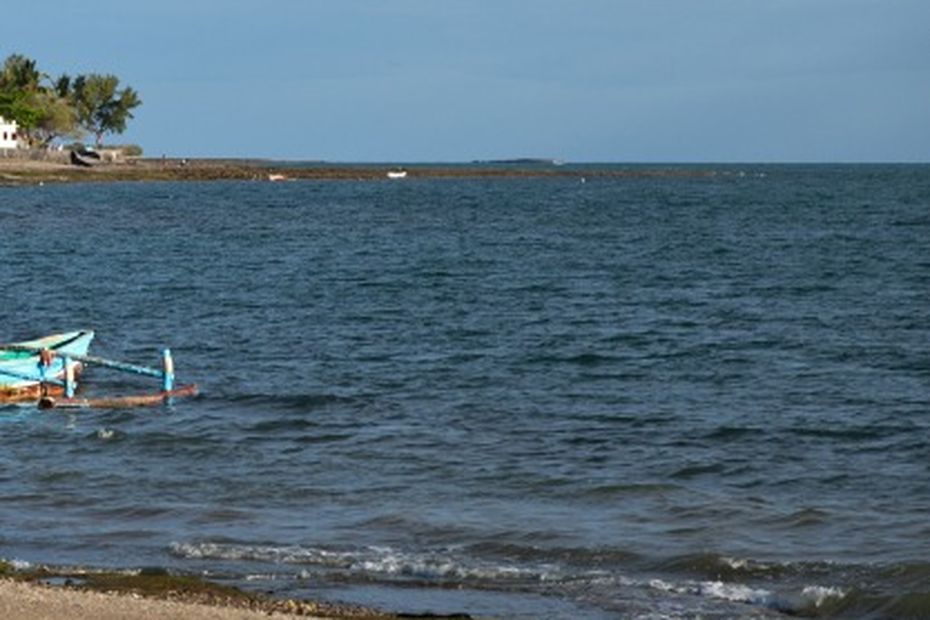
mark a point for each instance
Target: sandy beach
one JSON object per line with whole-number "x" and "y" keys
{"x": 28, "y": 601}
{"x": 46, "y": 592}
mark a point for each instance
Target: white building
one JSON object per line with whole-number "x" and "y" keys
{"x": 8, "y": 134}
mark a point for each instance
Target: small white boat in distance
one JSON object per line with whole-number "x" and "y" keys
{"x": 396, "y": 174}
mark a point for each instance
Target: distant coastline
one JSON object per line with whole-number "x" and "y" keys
{"x": 535, "y": 161}
{"x": 26, "y": 171}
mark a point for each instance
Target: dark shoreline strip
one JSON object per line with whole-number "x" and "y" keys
{"x": 246, "y": 170}
{"x": 162, "y": 585}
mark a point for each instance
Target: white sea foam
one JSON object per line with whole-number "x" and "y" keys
{"x": 735, "y": 592}
{"x": 664, "y": 586}
{"x": 442, "y": 564}
{"x": 746, "y": 564}
{"x": 818, "y": 595}
{"x": 261, "y": 577}
{"x": 810, "y": 596}
{"x": 455, "y": 565}
{"x": 735, "y": 563}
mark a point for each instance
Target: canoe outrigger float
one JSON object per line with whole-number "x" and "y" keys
{"x": 44, "y": 371}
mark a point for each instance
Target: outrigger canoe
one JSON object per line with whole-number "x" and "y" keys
{"x": 23, "y": 378}
{"x": 45, "y": 370}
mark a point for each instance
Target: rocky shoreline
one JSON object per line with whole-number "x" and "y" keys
{"x": 29, "y": 172}
{"x": 22, "y": 171}
{"x": 46, "y": 592}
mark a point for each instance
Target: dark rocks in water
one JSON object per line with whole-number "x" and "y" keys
{"x": 519, "y": 160}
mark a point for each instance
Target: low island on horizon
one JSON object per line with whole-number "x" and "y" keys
{"x": 23, "y": 168}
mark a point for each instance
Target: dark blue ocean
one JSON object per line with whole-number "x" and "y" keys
{"x": 642, "y": 396}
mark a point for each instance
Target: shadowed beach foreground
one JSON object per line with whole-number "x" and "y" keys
{"x": 78, "y": 594}
{"x": 106, "y": 596}
{"x": 26, "y": 601}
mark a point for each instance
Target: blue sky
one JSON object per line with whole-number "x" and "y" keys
{"x": 456, "y": 80}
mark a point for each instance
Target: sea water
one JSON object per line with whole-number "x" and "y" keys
{"x": 673, "y": 392}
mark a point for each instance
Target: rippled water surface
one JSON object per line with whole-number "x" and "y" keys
{"x": 658, "y": 396}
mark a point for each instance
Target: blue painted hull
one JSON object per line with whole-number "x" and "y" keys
{"x": 20, "y": 371}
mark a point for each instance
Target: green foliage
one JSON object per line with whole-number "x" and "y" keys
{"x": 63, "y": 85}
{"x": 57, "y": 118}
{"x": 101, "y": 106}
{"x": 45, "y": 109}
{"x": 130, "y": 150}
{"x": 19, "y": 84}
{"x": 19, "y": 74}
{"x": 15, "y": 105}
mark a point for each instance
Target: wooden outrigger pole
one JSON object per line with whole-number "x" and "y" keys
{"x": 71, "y": 361}
{"x": 118, "y": 402}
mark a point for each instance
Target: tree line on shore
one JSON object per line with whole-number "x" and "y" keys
{"x": 46, "y": 109}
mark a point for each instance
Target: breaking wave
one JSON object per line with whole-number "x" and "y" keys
{"x": 745, "y": 584}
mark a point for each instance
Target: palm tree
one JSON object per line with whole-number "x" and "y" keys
{"x": 19, "y": 73}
